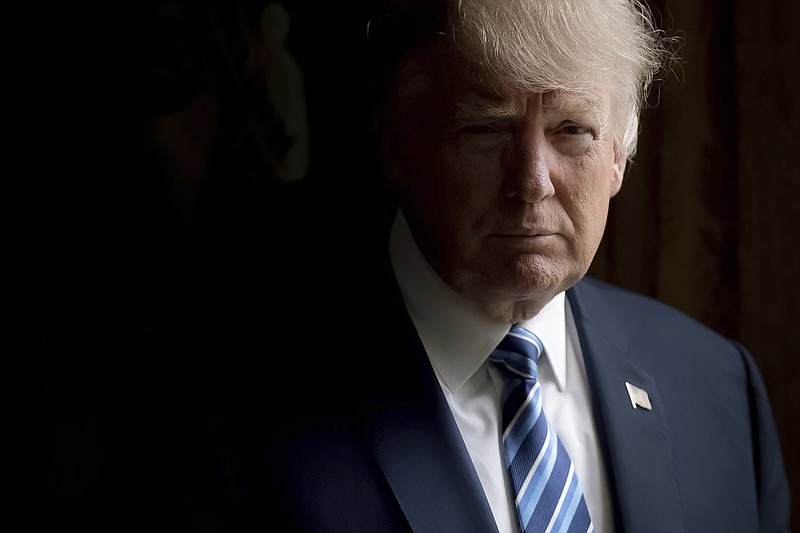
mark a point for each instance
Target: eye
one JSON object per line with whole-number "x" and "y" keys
{"x": 576, "y": 129}
{"x": 573, "y": 139}
{"x": 479, "y": 129}
{"x": 482, "y": 137}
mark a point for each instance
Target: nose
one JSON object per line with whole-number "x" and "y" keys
{"x": 529, "y": 178}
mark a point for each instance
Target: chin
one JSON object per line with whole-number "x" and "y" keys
{"x": 517, "y": 278}
{"x": 536, "y": 273}
{"x": 524, "y": 285}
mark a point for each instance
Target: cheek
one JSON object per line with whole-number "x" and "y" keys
{"x": 458, "y": 192}
{"x": 473, "y": 189}
{"x": 440, "y": 189}
{"x": 594, "y": 213}
{"x": 471, "y": 177}
{"x": 586, "y": 201}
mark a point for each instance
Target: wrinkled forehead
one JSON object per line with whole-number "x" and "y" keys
{"x": 592, "y": 105}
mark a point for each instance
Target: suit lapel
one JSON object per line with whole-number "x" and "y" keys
{"x": 635, "y": 441}
{"x": 419, "y": 448}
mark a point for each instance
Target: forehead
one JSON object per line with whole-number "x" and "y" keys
{"x": 441, "y": 84}
{"x": 473, "y": 89}
{"x": 471, "y": 102}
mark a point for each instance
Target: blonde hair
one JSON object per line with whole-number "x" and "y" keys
{"x": 572, "y": 45}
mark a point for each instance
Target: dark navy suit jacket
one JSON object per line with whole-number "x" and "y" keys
{"x": 388, "y": 457}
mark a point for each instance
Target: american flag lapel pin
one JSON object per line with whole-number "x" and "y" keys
{"x": 639, "y": 397}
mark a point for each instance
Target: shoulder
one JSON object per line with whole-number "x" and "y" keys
{"x": 591, "y": 291}
{"x": 613, "y": 308}
{"x": 656, "y": 335}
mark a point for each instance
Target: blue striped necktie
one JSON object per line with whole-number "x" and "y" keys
{"x": 548, "y": 497}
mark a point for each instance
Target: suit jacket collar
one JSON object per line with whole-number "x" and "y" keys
{"x": 416, "y": 442}
{"x": 635, "y": 442}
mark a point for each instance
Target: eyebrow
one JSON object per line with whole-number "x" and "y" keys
{"x": 583, "y": 106}
{"x": 476, "y": 107}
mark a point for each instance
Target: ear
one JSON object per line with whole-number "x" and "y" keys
{"x": 618, "y": 170}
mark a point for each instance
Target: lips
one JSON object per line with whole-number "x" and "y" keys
{"x": 528, "y": 226}
{"x": 522, "y": 233}
{"x": 528, "y": 242}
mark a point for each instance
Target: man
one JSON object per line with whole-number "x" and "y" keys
{"x": 504, "y": 128}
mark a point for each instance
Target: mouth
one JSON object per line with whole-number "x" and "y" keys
{"x": 526, "y": 234}
{"x": 526, "y": 241}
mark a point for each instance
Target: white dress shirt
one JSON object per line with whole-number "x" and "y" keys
{"x": 458, "y": 338}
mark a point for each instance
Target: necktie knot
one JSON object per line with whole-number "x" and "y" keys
{"x": 518, "y": 353}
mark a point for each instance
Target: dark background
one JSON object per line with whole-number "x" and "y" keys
{"x": 161, "y": 227}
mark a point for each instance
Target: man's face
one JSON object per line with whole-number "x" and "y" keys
{"x": 506, "y": 192}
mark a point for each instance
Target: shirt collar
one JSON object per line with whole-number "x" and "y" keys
{"x": 456, "y": 334}
{"x": 550, "y": 325}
